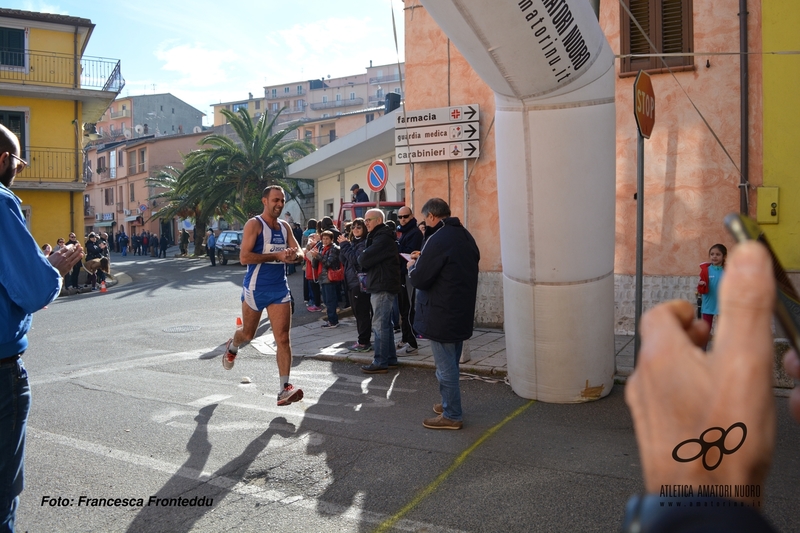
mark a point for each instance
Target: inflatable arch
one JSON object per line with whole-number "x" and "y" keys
{"x": 552, "y": 72}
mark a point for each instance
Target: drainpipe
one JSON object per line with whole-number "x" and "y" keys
{"x": 79, "y": 129}
{"x": 744, "y": 85}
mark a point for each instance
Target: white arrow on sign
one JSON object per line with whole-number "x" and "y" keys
{"x": 437, "y": 152}
{"x": 436, "y": 134}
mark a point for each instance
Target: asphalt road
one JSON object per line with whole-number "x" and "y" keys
{"x": 130, "y": 401}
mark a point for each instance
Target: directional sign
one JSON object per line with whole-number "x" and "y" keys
{"x": 439, "y": 115}
{"x": 464, "y": 131}
{"x": 377, "y": 175}
{"x": 644, "y": 107}
{"x": 437, "y": 152}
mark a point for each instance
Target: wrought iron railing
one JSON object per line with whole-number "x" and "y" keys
{"x": 59, "y": 70}
{"x": 48, "y": 164}
{"x": 337, "y": 103}
{"x": 122, "y": 113}
{"x": 385, "y": 79}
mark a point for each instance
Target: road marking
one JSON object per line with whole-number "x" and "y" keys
{"x": 430, "y": 489}
{"x": 208, "y": 400}
{"x": 314, "y": 505}
{"x": 120, "y": 365}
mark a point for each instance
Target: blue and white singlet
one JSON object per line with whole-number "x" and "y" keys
{"x": 263, "y": 281}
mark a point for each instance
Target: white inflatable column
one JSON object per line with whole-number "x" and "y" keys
{"x": 552, "y": 72}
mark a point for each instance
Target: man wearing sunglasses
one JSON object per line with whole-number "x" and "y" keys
{"x": 410, "y": 241}
{"x": 28, "y": 282}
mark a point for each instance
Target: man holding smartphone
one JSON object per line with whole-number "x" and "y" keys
{"x": 28, "y": 282}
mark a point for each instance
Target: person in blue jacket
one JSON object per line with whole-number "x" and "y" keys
{"x": 28, "y": 282}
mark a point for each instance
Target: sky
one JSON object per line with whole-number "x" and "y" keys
{"x": 206, "y": 52}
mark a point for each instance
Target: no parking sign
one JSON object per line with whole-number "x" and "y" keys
{"x": 377, "y": 175}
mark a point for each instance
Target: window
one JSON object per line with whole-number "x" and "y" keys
{"x": 173, "y": 110}
{"x": 338, "y": 97}
{"x": 258, "y": 104}
{"x": 119, "y": 158}
{"x": 275, "y": 107}
{"x": 101, "y": 164}
{"x": 274, "y": 93}
{"x": 132, "y": 196}
{"x": 12, "y": 47}
{"x": 324, "y": 99}
{"x": 132, "y": 163}
{"x": 146, "y": 129}
{"x": 397, "y": 90}
{"x": 285, "y": 90}
{"x": 299, "y": 89}
{"x": 379, "y": 94}
{"x": 108, "y": 196}
{"x": 112, "y": 164}
{"x": 668, "y": 23}
{"x": 370, "y": 117}
{"x": 15, "y": 121}
{"x": 161, "y": 107}
{"x": 142, "y": 160}
{"x": 237, "y": 107}
{"x": 352, "y": 96}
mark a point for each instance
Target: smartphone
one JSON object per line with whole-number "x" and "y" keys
{"x": 787, "y": 305}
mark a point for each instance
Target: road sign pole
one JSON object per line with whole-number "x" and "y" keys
{"x": 639, "y": 242}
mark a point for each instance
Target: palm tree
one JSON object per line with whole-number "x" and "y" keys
{"x": 197, "y": 191}
{"x": 260, "y": 160}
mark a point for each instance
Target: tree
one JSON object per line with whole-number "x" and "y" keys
{"x": 198, "y": 191}
{"x": 261, "y": 159}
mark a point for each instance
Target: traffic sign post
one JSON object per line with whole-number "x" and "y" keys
{"x": 438, "y": 134}
{"x": 644, "y": 110}
{"x": 377, "y": 175}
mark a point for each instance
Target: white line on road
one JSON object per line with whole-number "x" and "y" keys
{"x": 310, "y": 504}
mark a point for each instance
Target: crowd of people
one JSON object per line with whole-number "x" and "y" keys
{"x": 732, "y": 382}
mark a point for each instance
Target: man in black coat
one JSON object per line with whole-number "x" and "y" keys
{"x": 380, "y": 261}
{"x": 445, "y": 275}
{"x": 410, "y": 241}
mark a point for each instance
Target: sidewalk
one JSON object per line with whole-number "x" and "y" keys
{"x": 487, "y": 349}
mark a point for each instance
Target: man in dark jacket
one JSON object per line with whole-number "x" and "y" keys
{"x": 410, "y": 241}
{"x": 445, "y": 274}
{"x": 379, "y": 261}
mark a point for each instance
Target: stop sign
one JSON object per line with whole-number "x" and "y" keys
{"x": 644, "y": 104}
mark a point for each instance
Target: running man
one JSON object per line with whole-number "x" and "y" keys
{"x": 265, "y": 286}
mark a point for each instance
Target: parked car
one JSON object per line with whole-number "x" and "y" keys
{"x": 349, "y": 211}
{"x": 229, "y": 243}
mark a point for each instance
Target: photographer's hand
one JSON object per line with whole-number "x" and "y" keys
{"x": 677, "y": 391}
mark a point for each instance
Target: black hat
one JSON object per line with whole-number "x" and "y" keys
{"x": 355, "y": 187}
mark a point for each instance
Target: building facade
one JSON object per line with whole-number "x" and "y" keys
{"x": 50, "y": 95}
{"x": 117, "y": 194}
{"x": 132, "y": 117}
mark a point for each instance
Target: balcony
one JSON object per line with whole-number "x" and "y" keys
{"x": 385, "y": 79}
{"x": 121, "y": 114}
{"x": 88, "y": 211}
{"x": 281, "y": 95}
{"x": 337, "y": 103}
{"x": 321, "y": 141}
{"x": 375, "y": 101}
{"x": 60, "y": 70}
{"x": 49, "y": 165}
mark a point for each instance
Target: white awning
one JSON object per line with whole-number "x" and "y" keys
{"x": 130, "y": 218}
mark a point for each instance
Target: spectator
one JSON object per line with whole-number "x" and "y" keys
{"x": 29, "y": 282}
{"x": 328, "y": 258}
{"x": 136, "y": 243}
{"x": 312, "y": 274}
{"x": 72, "y": 281}
{"x": 163, "y": 245}
{"x": 359, "y": 195}
{"x": 145, "y": 243}
{"x": 211, "y": 247}
{"x": 379, "y": 261}
{"x": 123, "y": 240}
{"x": 59, "y": 244}
{"x": 410, "y": 241}
{"x": 47, "y": 249}
{"x": 349, "y": 252}
{"x": 445, "y": 273}
{"x": 93, "y": 251}
{"x": 184, "y": 242}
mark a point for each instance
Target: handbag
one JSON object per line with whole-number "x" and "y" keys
{"x": 335, "y": 275}
{"x": 362, "y": 281}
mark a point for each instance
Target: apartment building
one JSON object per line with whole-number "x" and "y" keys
{"x": 131, "y": 117}
{"x": 117, "y": 194}
{"x": 50, "y": 95}
{"x": 318, "y": 104}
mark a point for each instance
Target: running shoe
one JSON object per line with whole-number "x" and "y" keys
{"x": 361, "y": 348}
{"x": 229, "y": 357}
{"x": 313, "y": 308}
{"x": 328, "y": 325}
{"x": 289, "y": 395}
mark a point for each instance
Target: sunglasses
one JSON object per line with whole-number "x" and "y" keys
{"x": 403, "y": 217}
{"x": 21, "y": 165}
